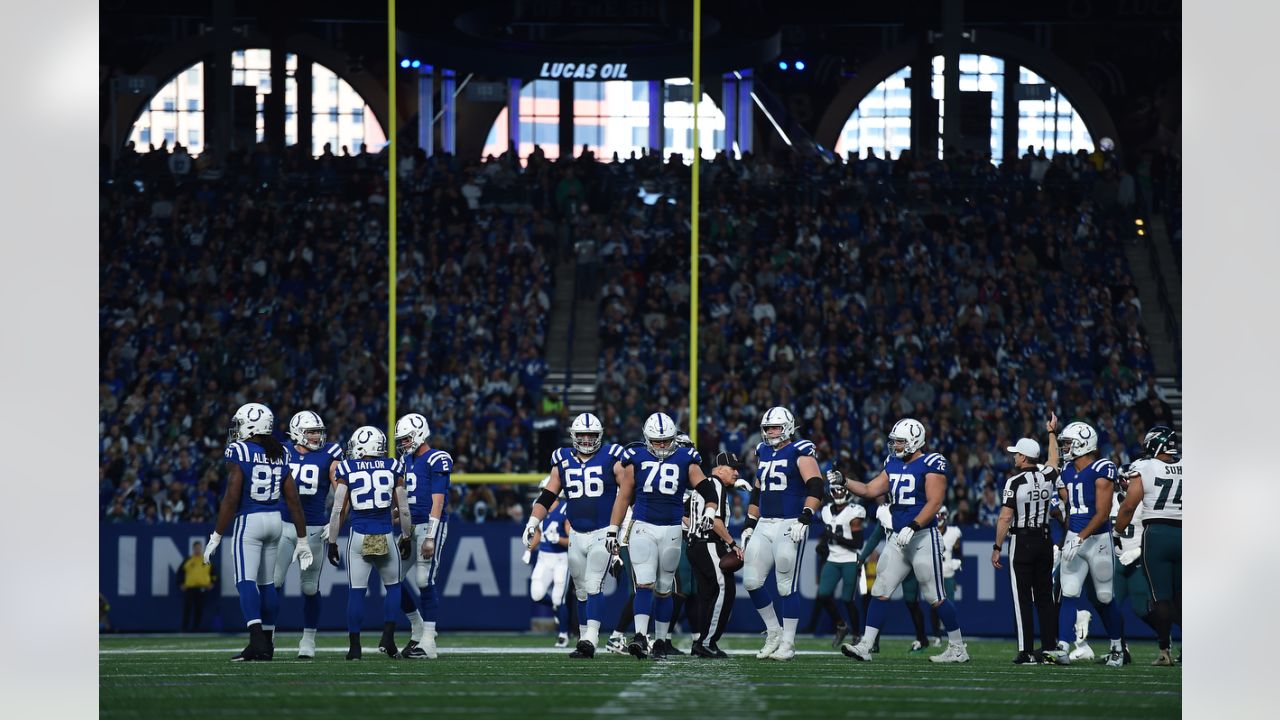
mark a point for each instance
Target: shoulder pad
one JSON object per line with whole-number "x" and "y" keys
{"x": 694, "y": 457}
{"x": 761, "y": 446}
{"x": 935, "y": 461}
{"x": 440, "y": 460}
{"x": 1104, "y": 468}
{"x": 335, "y": 450}
{"x": 805, "y": 447}
{"x": 858, "y": 511}
{"x": 614, "y": 450}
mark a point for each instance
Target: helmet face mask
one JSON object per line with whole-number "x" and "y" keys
{"x": 586, "y": 433}
{"x": 906, "y": 437}
{"x": 412, "y": 432}
{"x": 367, "y": 441}
{"x": 778, "y": 426}
{"x": 1161, "y": 439}
{"x": 839, "y": 493}
{"x": 251, "y": 419}
{"x": 307, "y": 429}
{"x": 660, "y": 435}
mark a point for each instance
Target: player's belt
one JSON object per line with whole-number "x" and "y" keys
{"x": 1161, "y": 521}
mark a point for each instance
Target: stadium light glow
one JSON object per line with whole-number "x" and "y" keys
{"x": 416, "y": 64}
{"x": 782, "y": 64}
{"x": 404, "y": 63}
{"x": 799, "y": 64}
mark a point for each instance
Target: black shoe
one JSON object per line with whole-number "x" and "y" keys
{"x": 354, "y": 652}
{"x": 585, "y": 650}
{"x": 659, "y": 650}
{"x": 671, "y": 649}
{"x": 639, "y": 646}
{"x": 875, "y": 646}
{"x": 1026, "y": 658}
{"x": 1128, "y": 659}
{"x": 387, "y": 645}
{"x": 258, "y": 648}
{"x": 411, "y": 651}
{"x": 717, "y": 652}
{"x": 271, "y": 643}
{"x": 842, "y": 631}
{"x": 700, "y": 650}
{"x": 389, "y": 650}
{"x": 249, "y": 654}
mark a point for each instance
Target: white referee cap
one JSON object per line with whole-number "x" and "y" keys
{"x": 1026, "y": 446}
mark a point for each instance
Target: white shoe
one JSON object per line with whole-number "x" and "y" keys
{"x": 785, "y": 652}
{"x": 861, "y": 651}
{"x": 307, "y": 649}
{"x": 563, "y": 640}
{"x": 937, "y": 642}
{"x": 617, "y": 644}
{"x": 955, "y": 653}
{"x": 1082, "y": 625}
{"x": 1082, "y": 651}
{"x": 428, "y": 645}
{"x": 1064, "y": 646}
{"x": 770, "y": 644}
{"x": 1115, "y": 658}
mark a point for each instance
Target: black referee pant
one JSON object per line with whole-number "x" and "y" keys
{"x": 1031, "y": 573}
{"x": 716, "y": 590}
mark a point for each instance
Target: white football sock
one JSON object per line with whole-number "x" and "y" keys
{"x": 593, "y": 632}
{"x": 953, "y": 636}
{"x": 789, "y": 630}
{"x": 869, "y": 637}
{"x": 415, "y": 625}
{"x": 1117, "y": 645}
{"x": 770, "y": 618}
{"x": 309, "y": 635}
{"x": 642, "y": 624}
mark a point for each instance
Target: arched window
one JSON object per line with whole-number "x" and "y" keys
{"x": 608, "y": 117}
{"x": 339, "y": 116}
{"x": 882, "y": 120}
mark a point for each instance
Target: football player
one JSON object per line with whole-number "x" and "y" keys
{"x": 910, "y": 586}
{"x": 951, "y": 564}
{"x": 657, "y": 476}
{"x": 590, "y": 473}
{"x": 426, "y": 476}
{"x": 784, "y": 499}
{"x": 1155, "y": 483}
{"x": 312, "y": 462}
{"x": 1087, "y": 551}
{"x": 257, "y": 476}
{"x": 551, "y": 571}
{"x": 842, "y": 527}
{"x": 916, "y": 483}
{"x": 375, "y": 481}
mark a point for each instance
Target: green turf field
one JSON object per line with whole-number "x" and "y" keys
{"x": 491, "y": 675}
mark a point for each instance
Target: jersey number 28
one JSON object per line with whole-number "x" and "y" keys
{"x": 371, "y": 490}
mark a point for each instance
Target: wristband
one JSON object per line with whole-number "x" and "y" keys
{"x": 805, "y": 516}
{"x": 997, "y": 546}
{"x": 915, "y": 526}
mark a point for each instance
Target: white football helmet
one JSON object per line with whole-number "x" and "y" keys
{"x": 251, "y": 419}
{"x": 303, "y": 423}
{"x": 367, "y": 441}
{"x": 1077, "y": 439}
{"x": 778, "y": 417}
{"x": 910, "y": 434}
{"x": 412, "y": 432}
{"x": 660, "y": 428}
{"x": 586, "y": 432}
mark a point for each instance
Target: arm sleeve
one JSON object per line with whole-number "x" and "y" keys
{"x": 335, "y": 517}
{"x": 402, "y": 504}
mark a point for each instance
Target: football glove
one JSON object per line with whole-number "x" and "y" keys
{"x": 324, "y": 534}
{"x": 1071, "y": 548}
{"x": 903, "y": 538}
{"x": 404, "y": 546}
{"x": 529, "y": 529}
{"x": 209, "y": 547}
{"x": 797, "y": 531}
{"x": 708, "y": 520}
{"x": 333, "y": 554}
{"x": 428, "y": 548}
{"x": 1057, "y": 557}
{"x": 611, "y": 539}
{"x": 615, "y": 567}
{"x": 835, "y": 477}
{"x": 526, "y": 557}
{"x": 1129, "y": 557}
{"x": 302, "y": 554}
{"x": 746, "y": 535}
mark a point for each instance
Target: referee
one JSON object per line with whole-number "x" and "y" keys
{"x": 1025, "y": 519}
{"x": 709, "y": 541}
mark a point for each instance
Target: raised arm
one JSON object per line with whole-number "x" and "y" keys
{"x": 878, "y": 486}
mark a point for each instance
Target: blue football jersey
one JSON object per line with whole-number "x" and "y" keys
{"x": 660, "y": 484}
{"x": 1082, "y": 492}
{"x": 553, "y": 528}
{"x": 425, "y": 475}
{"x": 782, "y": 490}
{"x": 262, "y": 476}
{"x": 310, "y": 472}
{"x": 589, "y": 487}
{"x": 372, "y": 484}
{"x": 906, "y": 486}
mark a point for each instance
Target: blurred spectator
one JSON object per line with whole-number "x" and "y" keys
{"x": 196, "y": 580}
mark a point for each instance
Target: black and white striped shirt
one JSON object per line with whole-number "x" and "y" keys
{"x": 1029, "y": 493}
{"x": 694, "y": 505}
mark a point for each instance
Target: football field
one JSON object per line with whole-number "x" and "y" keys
{"x": 516, "y": 675}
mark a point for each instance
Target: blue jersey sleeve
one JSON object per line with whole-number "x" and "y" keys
{"x": 805, "y": 447}
{"x": 441, "y": 468}
{"x": 628, "y": 457}
{"x": 935, "y": 462}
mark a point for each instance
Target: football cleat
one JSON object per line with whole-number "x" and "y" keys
{"x": 955, "y": 653}
{"x": 1064, "y": 646}
{"x": 937, "y": 641}
{"x": 354, "y": 652}
{"x": 785, "y": 652}
{"x": 857, "y": 652}
{"x": 1164, "y": 659}
{"x": 658, "y": 650}
{"x": 639, "y": 646}
{"x": 307, "y": 649}
{"x": 842, "y": 632}
{"x": 1026, "y": 658}
{"x": 720, "y": 654}
{"x": 1054, "y": 657}
{"x": 1128, "y": 659}
{"x": 1115, "y": 658}
{"x": 585, "y": 649}
{"x": 916, "y": 647}
{"x": 671, "y": 649}
{"x": 700, "y": 650}
{"x": 563, "y": 640}
{"x": 770, "y": 643}
{"x": 389, "y": 650}
{"x": 1082, "y": 651}
{"x": 411, "y": 651}
{"x": 617, "y": 644}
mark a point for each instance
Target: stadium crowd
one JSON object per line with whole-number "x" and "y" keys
{"x": 971, "y": 297}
